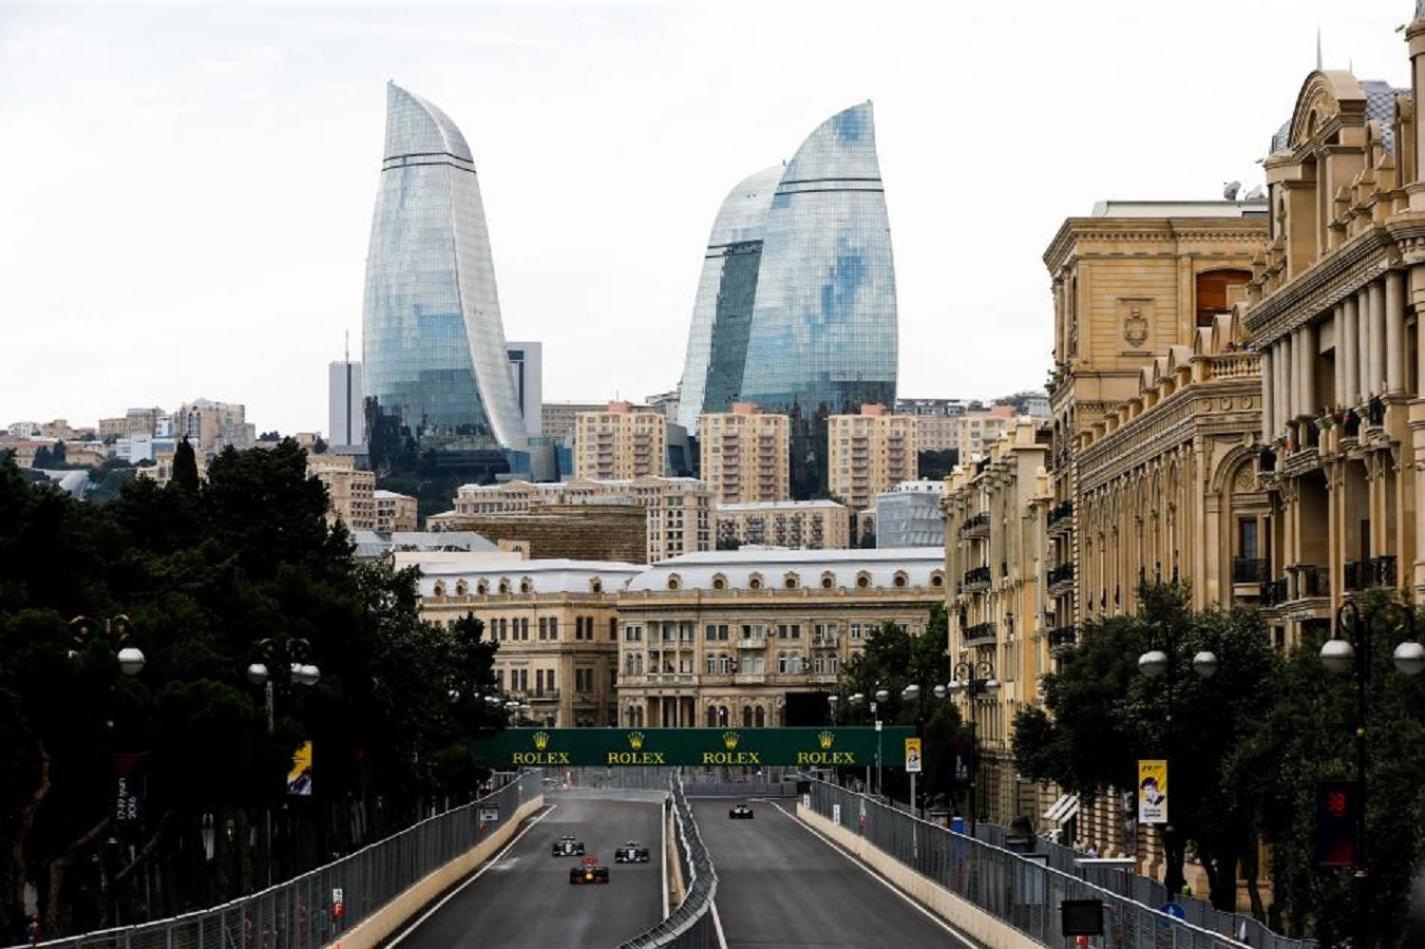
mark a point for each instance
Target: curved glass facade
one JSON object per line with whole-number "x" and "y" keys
{"x": 727, "y": 289}
{"x": 433, "y": 343}
{"x": 823, "y": 338}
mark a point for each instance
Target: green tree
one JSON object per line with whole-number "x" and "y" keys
{"x": 185, "y": 468}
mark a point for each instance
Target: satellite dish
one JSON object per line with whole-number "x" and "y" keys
{"x": 1230, "y": 189}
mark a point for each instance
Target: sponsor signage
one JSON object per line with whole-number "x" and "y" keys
{"x": 1152, "y": 791}
{"x": 731, "y": 747}
{"x": 912, "y": 755}
{"x": 299, "y": 774}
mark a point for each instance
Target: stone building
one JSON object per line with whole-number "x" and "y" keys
{"x": 612, "y": 530}
{"x": 979, "y": 430}
{"x": 868, "y": 453}
{"x": 622, "y": 440}
{"x": 757, "y": 637}
{"x": 556, "y": 625}
{"x": 679, "y": 510}
{"x": 1334, "y": 308}
{"x": 394, "y": 512}
{"x": 745, "y": 454}
{"x": 995, "y": 557}
{"x": 351, "y": 492}
{"x": 799, "y": 525}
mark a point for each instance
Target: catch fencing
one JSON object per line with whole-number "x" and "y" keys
{"x": 1019, "y": 890}
{"x": 314, "y": 909}
{"x": 691, "y": 925}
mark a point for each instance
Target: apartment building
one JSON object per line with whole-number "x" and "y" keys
{"x": 393, "y": 511}
{"x": 351, "y": 492}
{"x": 622, "y": 440}
{"x": 868, "y": 453}
{"x": 745, "y": 454}
{"x": 797, "y": 525}
{"x": 979, "y": 430}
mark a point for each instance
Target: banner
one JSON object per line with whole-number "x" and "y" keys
{"x": 130, "y": 789}
{"x": 963, "y": 769}
{"x": 703, "y": 747}
{"x": 1152, "y": 791}
{"x": 299, "y": 776}
{"x": 912, "y": 756}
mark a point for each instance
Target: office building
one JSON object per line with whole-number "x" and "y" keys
{"x": 434, "y": 347}
{"x": 743, "y": 454}
{"x": 795, "y": 525}
{"x": 909, "y": 515}
{"x": 555, "y": 622}
{"x": 346, "y": 406}
{"x": 527, "y": 372}
{"x": 868, "y": 453}
{"x": 755, "y": 638}
{"x": 621, "y": 440}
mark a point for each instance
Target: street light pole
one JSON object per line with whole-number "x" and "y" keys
{"x": 975, "y": 678}
{"x": 1341, "y": 656}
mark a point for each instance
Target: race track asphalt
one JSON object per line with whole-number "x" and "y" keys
{"x": 780, "y": 885}
{"x": 524, "y": 899}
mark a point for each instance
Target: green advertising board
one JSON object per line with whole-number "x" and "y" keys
{"x": 703, "y": 747}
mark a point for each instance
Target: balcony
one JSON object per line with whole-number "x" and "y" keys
{"x": 823, "y": 642}
{"x": 1061, "y": 576}
{"x": 976, "y": 524}
{"x": 547, "y": 696}
{"x": 1364, "y": 574}
{"x": 1272, "y": 592}
{"x": 1249, "y": 569}
{"x": 672, "y": 678}
{"x": 1063, "y": 636}
{"x": 976, "y": 579}
{"x": 752, "y": 642}
{"x": 1060, "y": 517}
{"x": 981, "y": 634}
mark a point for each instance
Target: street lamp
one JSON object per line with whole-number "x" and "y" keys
{"x": 974, "y": 679}
{"x": 131, "y": 658}
{"x": 1342, "y": 656}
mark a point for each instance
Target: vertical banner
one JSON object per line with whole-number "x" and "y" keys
{"x": 299, "y": 776}
{"x": 1152, "y": 791}
{"x": 130, "y": 789}
{"x": 912, "y": 756}
{"x": 964, "y": 762}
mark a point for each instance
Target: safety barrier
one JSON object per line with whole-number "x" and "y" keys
{"x": 1018, "y": 890}
{"x": 691, "y": 925}
{"x": 318, "y": 907}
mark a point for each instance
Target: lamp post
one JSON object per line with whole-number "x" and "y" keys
{"x": 974, "y": 679}
{"x": 856, "y": 700}
{"x": 1158, "y": 662}
{"x": 912, "y": 693}
{"x": 116, "y": 628}
{"x": 1343, "y": 656}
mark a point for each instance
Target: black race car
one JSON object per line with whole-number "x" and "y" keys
{"x": 588, "y": 871}
{"x": 631, "y": 852}
{"x": 567, "y": 846}
{"x": 740, "y": 812}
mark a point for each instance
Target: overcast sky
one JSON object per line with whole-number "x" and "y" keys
{"x": 186, "y": 191}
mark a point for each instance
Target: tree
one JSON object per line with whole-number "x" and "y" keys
{"x": 185, "y": 468}
{"x": 319, "y": 447}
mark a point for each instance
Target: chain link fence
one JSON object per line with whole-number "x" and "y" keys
{"x": 1020, "y": 890}
{"x": 314, "y": 909}
{"x": 691, "y": 925}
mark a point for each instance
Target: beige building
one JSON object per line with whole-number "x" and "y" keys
{"x": 557, "y": 418}
{"x": 745, "y": 454}
{"x": 797, "y": 525}
{"x": 161, "y": 471}
{"x": 556, "y": 625}
{"x": 1130, "y": 282}
{"x": 616, "y": 530}
{"x": 979, "y": 430}
{"x": 351, "y": 492}
{"x": 679, "y": 510}
{"x": 622, "y": 440}
{"x": 995, "y": 557}
{"x": 757, "y": 638}
{"x": 1167, "y": 487}
{"x": 394, "y": 512}
{"x": 1335, "y": 304}
{"x": 869, "y": 453}
{"x": 212, "y": 426}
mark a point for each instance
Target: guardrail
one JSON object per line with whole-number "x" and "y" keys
{"x": 316, "y": 908}
{"x": 691, "y": 925}
{"x": 1021, "y": 891}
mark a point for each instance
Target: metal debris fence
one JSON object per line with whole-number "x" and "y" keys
{"x": 691, "y": 925}
{"x": 1019, "y": 890}
{"x": 305, "y": 912}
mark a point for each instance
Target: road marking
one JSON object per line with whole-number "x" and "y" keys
{"x": 717, "y": 926}
{"x": 472, "y": 878}
{"x": 664, "y": 815}
{"x": 876, "y": 876}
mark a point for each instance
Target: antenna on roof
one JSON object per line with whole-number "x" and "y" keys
{"x": 347, "y": 345}
{"x": 1318, "y": 47}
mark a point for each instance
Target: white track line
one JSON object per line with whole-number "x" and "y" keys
{"x": 717, "y": 927}
{"x": 876, "y": 876}
{"x": 472, "y": 878}
{"x": 664, "y": 815}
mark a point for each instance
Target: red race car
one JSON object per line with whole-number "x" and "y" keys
{"x": 589, "y": 871}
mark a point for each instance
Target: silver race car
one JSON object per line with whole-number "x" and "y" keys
{"x": 631, "y": 852}
{"x": 740, "y": 812}
{"x": 567, "y": 846}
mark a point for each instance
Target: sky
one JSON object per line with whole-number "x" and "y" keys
{"x": 186, "y": 190}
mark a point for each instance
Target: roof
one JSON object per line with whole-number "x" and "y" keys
{"x": 1178, "y": 209}
{"x": 387, "y": 495}
{"x": 544, "y": 576}
{"x": 741, "y": 506}
{"x": 376, "y": 543}
{"x": 737, "y": 567}
{"x": 1380, "y": 107}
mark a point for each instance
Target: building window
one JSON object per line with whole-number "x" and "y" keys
{"x": 440, "y": 588}
{"x": 900, "y": 578}
{"x": 719, "y": 582}
{"x": 504, "y": 586}
{"x": 483, "y": 587}
{"x": 462, "y": 588}
{"x": 674, "y": 581}
{"x": 596, "y": 585}
{"x": 863, "y": 580}
{"x": 755, "y": 581}
{"x": 937, "y": 579}
{"x": 790, "y": 581}
{"x": 828, "y": 580}
{"x": 613, "y": 628}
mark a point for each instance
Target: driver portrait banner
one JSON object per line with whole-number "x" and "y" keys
{"x": 1152, "y": 791}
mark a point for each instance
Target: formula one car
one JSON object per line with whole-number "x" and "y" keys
{"x": 740, "y": 812}
{"x": 567, "y": 846}
{"x": 631, "y": 852}
{"x": 588, "y": 871}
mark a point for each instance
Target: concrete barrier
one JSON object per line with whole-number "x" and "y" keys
{"x": 956, "y": 910}
{"x": 377, "y": 927}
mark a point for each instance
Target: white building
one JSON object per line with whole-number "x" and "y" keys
{"x": 909, "y": 515}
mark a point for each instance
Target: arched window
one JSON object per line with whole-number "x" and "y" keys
{"x": 719, "y": 582}
{"x": 675, "y": 582}
{"x": 440, "y": 588}
{"x": 754, "y": 582}
{"x": 596, "y": 585}
{"x": 504, "y": 585}
{"x": 462, "y": 588}
{"x": 761, "y": 717}
{"x": 828, "y": 580}
{"x": 901, "y": 578}
{"x": 722, "y": 715}
{"x": 712, "y": 716}
{"x": 937, "y": 579}
{"x": 746, "y": 716}
{"x": 863, "y": 580}
{"x": 483, "y": 587}
{"x": 791, "y": 581}
{"x": 526, "y": 585}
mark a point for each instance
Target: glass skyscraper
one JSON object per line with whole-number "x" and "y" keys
{"x": 813, "y": 259}
{"x": 433, "y": 343}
